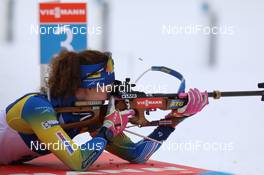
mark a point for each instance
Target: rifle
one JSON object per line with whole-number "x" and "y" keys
{"x": 142, "y": 103}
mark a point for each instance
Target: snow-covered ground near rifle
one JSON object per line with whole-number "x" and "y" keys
{"x": 228, "y": 134}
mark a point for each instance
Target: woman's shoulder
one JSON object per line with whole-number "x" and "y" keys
{"x": 26, "y": 96}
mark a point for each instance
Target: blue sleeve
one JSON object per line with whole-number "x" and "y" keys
{"x": 139, "y": 152}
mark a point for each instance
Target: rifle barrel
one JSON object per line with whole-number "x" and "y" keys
{"x": 218, "y": 94}
{"x": 215, "y": 94}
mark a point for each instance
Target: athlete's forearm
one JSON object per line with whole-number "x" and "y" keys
{"x": 40, "y": 116}
{"x": 141, "y": 151}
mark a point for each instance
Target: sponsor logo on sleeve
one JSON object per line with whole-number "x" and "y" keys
{"x": 50, "y": 123}
{"x": 65, "y": 142}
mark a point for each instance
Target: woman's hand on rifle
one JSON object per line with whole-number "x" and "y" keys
{"x": 116, "y": 121}
{"x": 196, "y": 102}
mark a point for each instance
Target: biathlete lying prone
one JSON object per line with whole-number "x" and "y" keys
{"x": 74, "y": 77}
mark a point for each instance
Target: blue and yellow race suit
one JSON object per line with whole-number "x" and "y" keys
{"x": 38, "y": 113}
